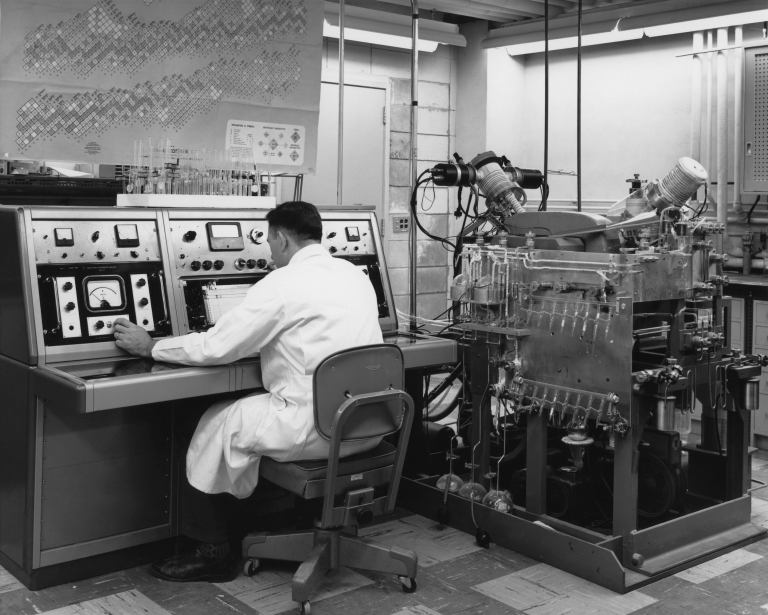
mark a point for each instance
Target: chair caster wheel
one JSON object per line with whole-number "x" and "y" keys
{"x": 408, "y": 584}
{"x": 443, "y": 514}
{"x": 483, "y": 539}
{"x": 304, "y": 608}
{"x": 251, "y": 567}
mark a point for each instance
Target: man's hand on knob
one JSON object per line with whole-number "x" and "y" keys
{"x": 133, "y": 339}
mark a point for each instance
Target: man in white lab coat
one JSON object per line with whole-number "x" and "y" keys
{"x": 311, "y": 306}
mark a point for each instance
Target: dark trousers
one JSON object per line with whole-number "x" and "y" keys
{"x": 203, "y": 516}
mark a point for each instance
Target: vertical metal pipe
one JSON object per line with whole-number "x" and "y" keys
{"x": 709, "y": 62}
{"x": 698, "y": 76}
{"x": 340, "y": 161}
{"x": 578, "y": 113}
{"x": 722, "y": 133}
{"x": 738, "y": 111}
{"x": 414, "y": 149}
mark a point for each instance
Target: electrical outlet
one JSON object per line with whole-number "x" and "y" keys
{"x": 401, "y": 224}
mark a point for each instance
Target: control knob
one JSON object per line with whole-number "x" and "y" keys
{"x": 70, "y": 306}
{"x": 143, "y": 301}
{"x": 134, "y": 254}
{"x": 331, "y": 235}
{"x": 261, "y": 263}
{"x": 256, "y": 235}
{"x": 99, "y": 255}
{"x": 218, "y": 265}
{"x": 251, "y": 263}
{"x": 99, "y": 324}
{"x": 207, "y": 265}
{"x": 333, "y": 249}
{"x": 190, "y": 236}
{"x": 95, "y": 236}
{"x": 195, "y": 265}
{"x": 141, "y": 282}
{"x": 67, "y": 286}
{"x": 145, "y": 322}
{"x": 240, "y": 263}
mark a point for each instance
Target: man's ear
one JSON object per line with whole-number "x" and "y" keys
{"x": 283, "y": 237}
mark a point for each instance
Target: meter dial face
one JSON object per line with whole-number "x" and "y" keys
{"x": 104, "y": 294}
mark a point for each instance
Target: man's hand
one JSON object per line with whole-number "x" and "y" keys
{"x": 133, "y": 338}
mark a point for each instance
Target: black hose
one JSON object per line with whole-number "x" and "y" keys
{"x": 519, "y": 450}
{"x": 440, "y": 388}
{"x": 439, "y": 416}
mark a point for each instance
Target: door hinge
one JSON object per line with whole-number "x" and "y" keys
{"x": 384, "y": 115}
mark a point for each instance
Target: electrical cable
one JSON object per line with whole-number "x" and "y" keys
{"x": 442, "y": 240}
{"x": 445, "y": 412}
{"x": 751, "y": 209}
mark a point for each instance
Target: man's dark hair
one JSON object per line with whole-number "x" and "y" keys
{"x": 299, "y": 218}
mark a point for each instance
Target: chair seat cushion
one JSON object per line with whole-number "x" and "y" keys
{"x": 293, "y": 475}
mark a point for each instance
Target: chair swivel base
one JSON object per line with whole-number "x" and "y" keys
{"x": 321, "y": 551}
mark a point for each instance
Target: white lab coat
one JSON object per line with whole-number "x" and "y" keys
{"x": 295, "y": 317}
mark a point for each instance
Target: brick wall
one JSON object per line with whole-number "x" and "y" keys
{"x": 437, "y": 121}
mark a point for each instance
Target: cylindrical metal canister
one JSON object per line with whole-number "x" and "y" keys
{"x": 665, "y": 412}
{"x": 749, "y": 394}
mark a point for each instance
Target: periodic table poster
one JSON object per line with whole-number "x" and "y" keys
{"x": 82, "y": 79}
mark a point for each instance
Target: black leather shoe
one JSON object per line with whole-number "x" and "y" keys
{"x": 196, "y": 566}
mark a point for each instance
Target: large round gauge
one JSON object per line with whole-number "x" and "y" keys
{"x": 104, "y": 293}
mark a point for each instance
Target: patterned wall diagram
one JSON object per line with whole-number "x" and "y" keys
{"x": 117, "y": 69}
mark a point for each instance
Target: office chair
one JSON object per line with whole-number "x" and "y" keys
{"x": 357, "y": 396}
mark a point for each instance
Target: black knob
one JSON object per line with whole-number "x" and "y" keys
{"x": 145, "y": 322}
{"x": 99, "y": 255}
{"x": 331, "y": 235}
{"x": 141, "y": 282}
{"x": 99, "y": 324}
{"x": 70, "y": 306}
{"x": 190, "y": 236}
{"x": 67, "y": 286}
{"x": 251, "y": 263}
{"x": 218, "y": 265}
{"x": 195, "y": 265}
{"x": 240, "y": 263}
{"x": 261, "y": 263}
{"x": 134, "y": 254}
{"x": 95, "y": 236}
{"x": 332, "y": 250}
{"x": 143, "y": 301}
{"x": 207, "y": 265}
{"x": 64, "y": 255}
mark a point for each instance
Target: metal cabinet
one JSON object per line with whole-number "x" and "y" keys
{"x": 755, "y": 152}
{"x": 760, "y": 346}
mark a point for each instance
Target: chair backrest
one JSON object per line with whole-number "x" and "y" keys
{"x": 356, "y": 371}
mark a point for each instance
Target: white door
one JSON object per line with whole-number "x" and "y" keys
{"x": 364, "y": 147}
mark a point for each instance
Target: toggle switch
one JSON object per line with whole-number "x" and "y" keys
{"x": 240, "y": 263}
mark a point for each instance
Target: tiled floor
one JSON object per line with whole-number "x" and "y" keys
{"x": 455, "y": 577}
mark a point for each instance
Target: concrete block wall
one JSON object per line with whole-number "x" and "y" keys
{"x": 436, "y": 143}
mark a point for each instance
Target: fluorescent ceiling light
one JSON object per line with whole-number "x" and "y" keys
{"x": 571, "y": 42}
{"x": 377, "y": 38}
{"x": 708, "y": 23}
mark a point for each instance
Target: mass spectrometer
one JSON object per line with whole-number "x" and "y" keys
{"x": 587, "y": 342}
{"x": 87, "y": 463}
